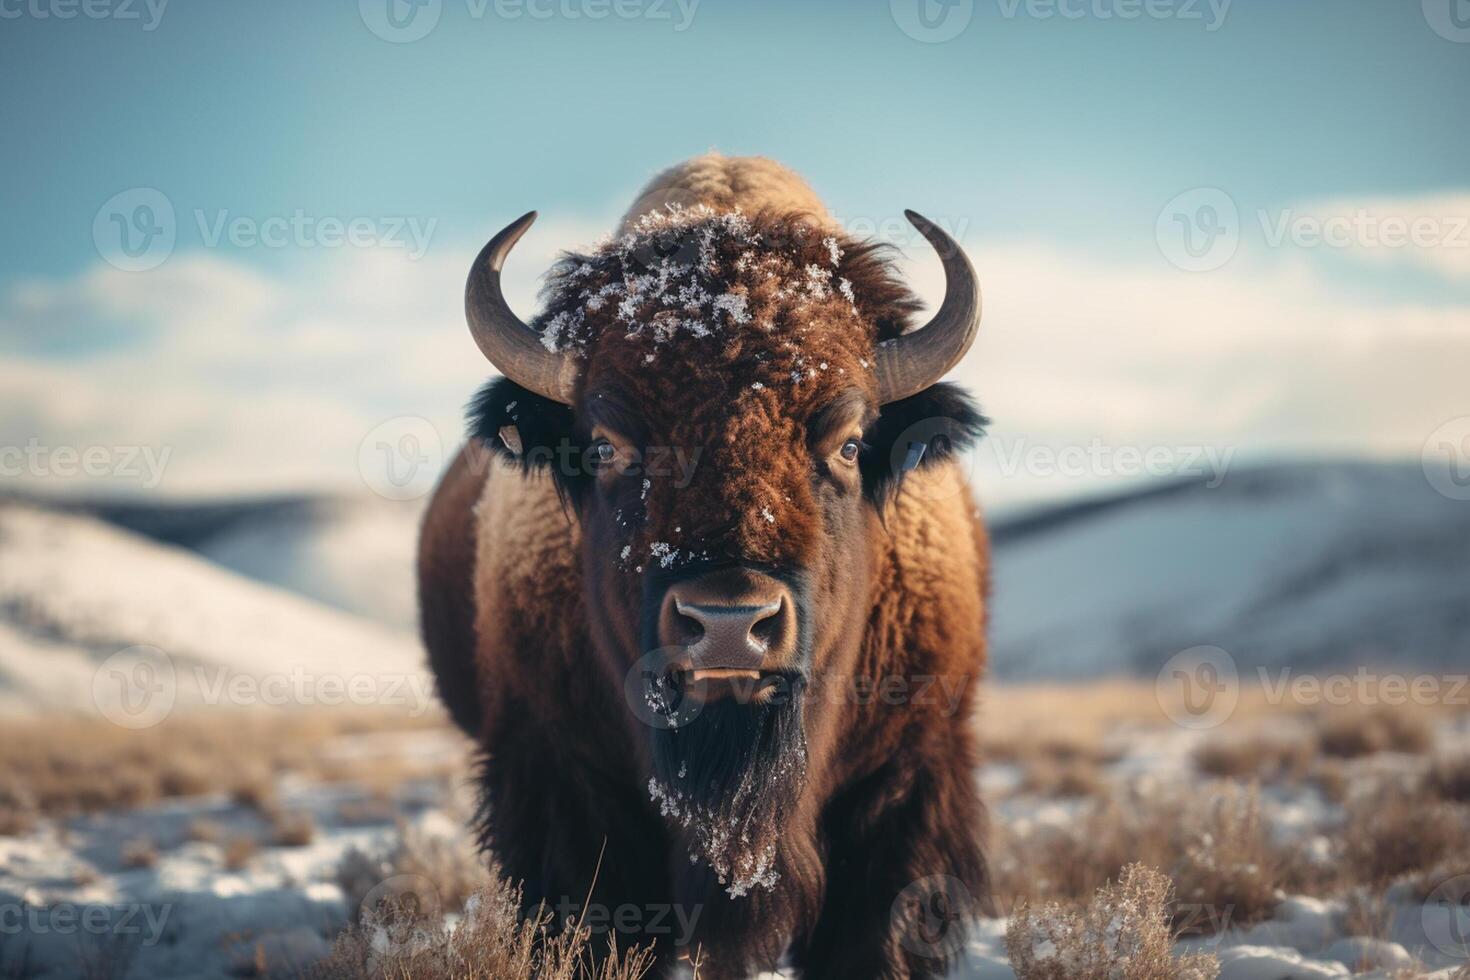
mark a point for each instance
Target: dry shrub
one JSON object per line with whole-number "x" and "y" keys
{"x": 490, "y": 942}
{"x": 203, "y": 831}
{"x": 451, "y": 865}
{"x": 1333, "y": 779}
{"x": 1124, "y": 933}
{"x": 1060, "y": 747}
{"x": 1449, "y": 778}
{"x": 17, "y": 811}
{"x": 15, "y": 821}
{"x": 1228, "y": 870}
{"x": 238, "y": 851}
{"x": 139, "y": 854}
{"x": 292, "y": 829}
{"x": 1394, "y": 832}
{"x": 358, "y": 813}
{"x": 1366, "y": 912}
{"x": 67, "y": 765}
{"x": 1349, "y": 734}
{"x": 1058, "y": 778}
{"x": 255, "y": 788}
{"x": 1071, "y": 862}
{"x": 1214, "y": 844}
{"x": 1269, "y": 759}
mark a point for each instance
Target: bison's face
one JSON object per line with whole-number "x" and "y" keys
{"x": 727, "y": 422}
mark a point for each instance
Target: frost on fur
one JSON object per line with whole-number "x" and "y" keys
{"x": 684, "y": 271}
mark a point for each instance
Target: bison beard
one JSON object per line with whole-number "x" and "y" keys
{"x": 728, "y": 780}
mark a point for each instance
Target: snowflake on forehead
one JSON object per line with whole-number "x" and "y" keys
{"x": 686, "y": 272}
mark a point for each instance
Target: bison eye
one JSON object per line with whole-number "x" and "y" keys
{"x": 850, "y": 449}
{"x": 604, "y": 452}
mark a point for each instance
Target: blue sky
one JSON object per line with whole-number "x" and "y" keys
{"x": 1050, "y": 135}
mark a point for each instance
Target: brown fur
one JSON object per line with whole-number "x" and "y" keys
{"x": 897, "y": 586}
{"x": 752, "y": 183}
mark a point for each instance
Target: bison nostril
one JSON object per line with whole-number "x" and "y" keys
{"x": 767, "y": 629}
{"x": 689, "y": 629}
{"x": 734, "y": 622}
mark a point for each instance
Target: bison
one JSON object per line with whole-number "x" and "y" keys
{"x": 707, "y": 585}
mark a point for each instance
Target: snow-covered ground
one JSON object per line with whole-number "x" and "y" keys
{"x": 1299, "y": 566}
{"x": 70, "y": 891}
{"x": 191, "y": 915}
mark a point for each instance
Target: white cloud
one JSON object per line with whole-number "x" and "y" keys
{"x": 257, "y": 381}
{"x": 249, "y": 381}
{"x": 1428, "y": 231}
{"x": 1265, "y": 356}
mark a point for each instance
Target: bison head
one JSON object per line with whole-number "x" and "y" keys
{"x": 725, "y": 402}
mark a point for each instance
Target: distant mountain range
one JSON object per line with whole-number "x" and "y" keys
{"x": 77, "y": 592}
{"x": 1311, "y": 565}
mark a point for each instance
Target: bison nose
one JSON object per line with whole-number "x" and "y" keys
{"x": 730, "y": 623}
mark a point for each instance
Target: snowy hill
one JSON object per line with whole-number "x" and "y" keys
{"x": 1312, "y": 565}
{"x": 1307, "y": 565}
{"x": 355, "y": 554}
{"x": 74, "y": 591}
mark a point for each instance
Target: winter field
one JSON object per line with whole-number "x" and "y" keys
{"x": 1295, "y": 844}
{"x": 1184, "y": 779}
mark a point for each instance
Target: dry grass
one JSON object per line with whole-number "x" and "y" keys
{"x": 1449, "y": 778}
{"x": 1333, "y": 779}
{"x": 139, "y": 854}
{"x": 1268, "y": 758}
{"x": 238, "y": 851}
{"x": 1061, "y": 778}
{"x": 400, "y": 898}
{"x": 1213, "y": 844}
{"x": 1229, "y": 871}
{"x": 1123, "y": 933}
{"x": 203, "y": 831}
{"x": 255, "y": 787}
{"x": 1351, "y": 733}
{"x": 491, "y": 942}
{"x": 1017, "y": 722}
{"x": 292, "y": 829}
{"x": 451, "y": 867}
{"x": 1395, "y": 832}
{"x": 1063, "y": 723}
{"x": 67, "y": 765}
{"x": 17, "y": 810}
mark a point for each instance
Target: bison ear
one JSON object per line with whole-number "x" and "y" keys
{"x": 519, "y": 426}
{"x": 917, "y": 431}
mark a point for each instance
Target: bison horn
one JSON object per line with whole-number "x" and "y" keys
{"x": 909, "y": 363}
{"x": 513, "y": 347}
